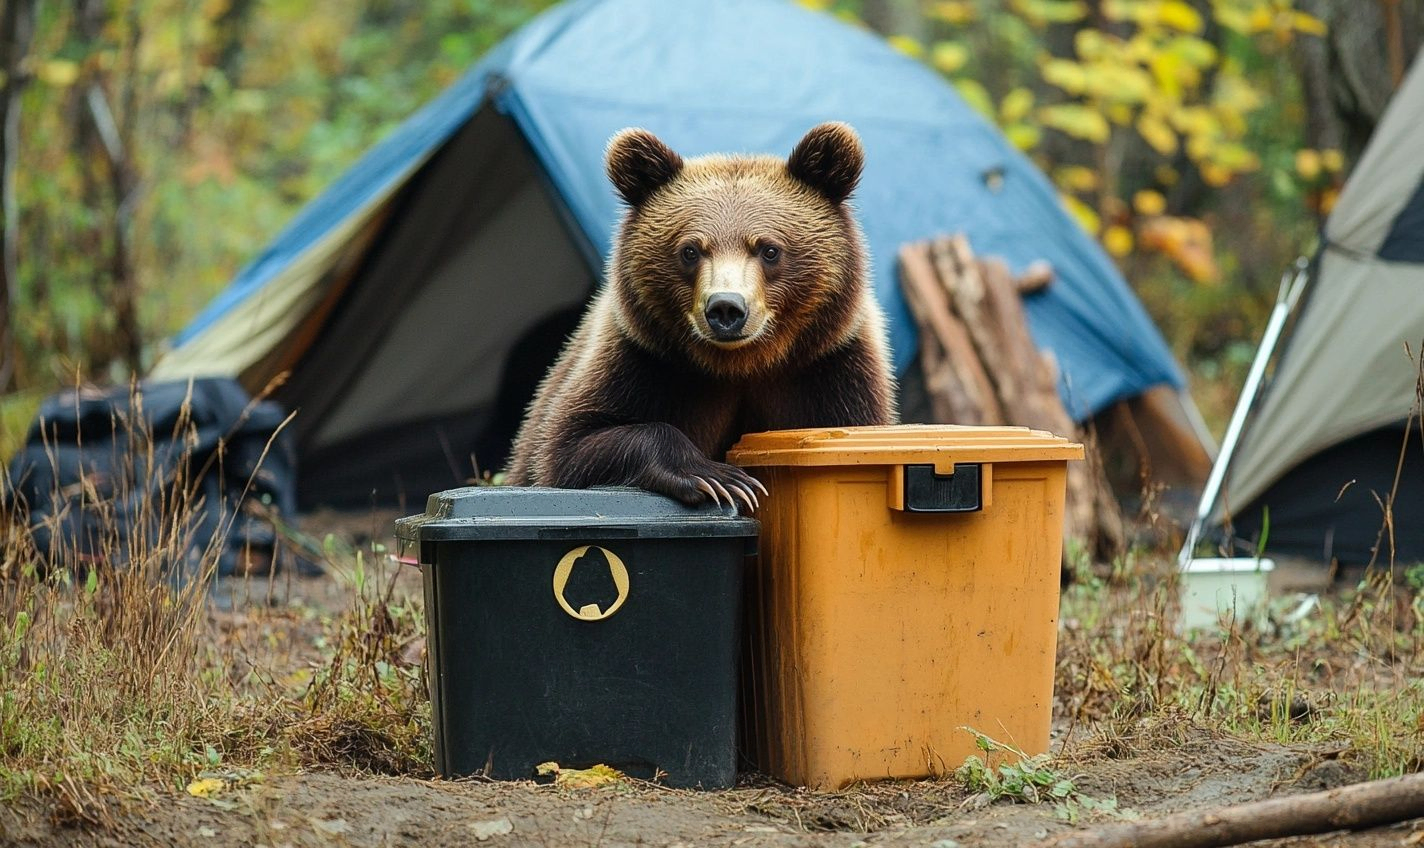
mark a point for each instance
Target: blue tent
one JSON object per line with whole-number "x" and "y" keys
{"x": 331, "y": 298}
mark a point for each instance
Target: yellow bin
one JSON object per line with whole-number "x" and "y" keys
{"x": 907, "y": 587}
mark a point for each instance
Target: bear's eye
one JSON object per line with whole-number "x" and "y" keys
{"x": 770, "y": 253}
{"x": 690, "y": 255}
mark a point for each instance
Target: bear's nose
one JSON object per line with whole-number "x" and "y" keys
{"x": 726, "y": 314}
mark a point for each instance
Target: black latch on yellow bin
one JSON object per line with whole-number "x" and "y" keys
{"x": 922, "y": 489}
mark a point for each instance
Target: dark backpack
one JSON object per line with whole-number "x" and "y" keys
{"x": 107, "y": 475}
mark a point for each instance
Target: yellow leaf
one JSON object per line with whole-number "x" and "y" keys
{"x": 1156, "y": 133}
{"x": 1017, "y": 104}
{"x": 1308, "y": 24}
{"x": 1167, "y": 70}
{"x": 1200, "y": 147}
{"x": 1307, "y": 163}
{"x": 1236, "y": 157}
{"x": 1082, "y": 213}
{"x": 1118, "y": 240}
{"x": 205, "y": 787}
{"x": 1233, "y": 18}
{"x": 589, "y": 778}
{"x": 1040, "y": 12}
{"x": 1077, "y": 121}
{"x": 1119, "y": 113}
{"x": 1076, "y": 178}
{"x": 1179, "y": 16}
{"x": 949, "y": 56}
{"x": 1069, "y": 76}
{"x": 1197, "y": 52}
{"x": 1234, "y": 93}
{"x": 1090, "y": 44}
{"x": 1186, "y": 241}
{"x": 1333, "y": 160}
{"x": 1195, "y": 120}
{"x": 1215, "y": 175}
{"x": 907, "y": 45}
{"x": 976, "y": 96}
{"x": 816, "y": 5}
{"x": 1261, "y": 19}
{"x": 1166, "y": 175}
{"x": 1022, "y": 136}
{"x": 1139, "y": 49}
{"x": 1123, "y": 10}
{"x": 1327, "y": 200}
{"x": 1118, "y": 83}
{"x": 59, "y": 73}
{"x": 952, "y": 11}
{"x": 1149, "y": 202}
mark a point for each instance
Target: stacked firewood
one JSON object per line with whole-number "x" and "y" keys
{"x": 981, "y": 367}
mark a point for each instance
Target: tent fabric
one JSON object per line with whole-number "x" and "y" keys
{"x": 1347, "y": 369}
{"x": 250, "y": 328}
{"x": 1405, "y": 242}
{"x": 1328, "y": 430}
{"x": 727, "y": 76}
{"x": 473, "y": 257}
{"x": 1330, "y": 507}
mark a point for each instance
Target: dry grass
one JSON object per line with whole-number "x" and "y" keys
{"x": 118, "y": 674}
{"x": 1345, "y": 676}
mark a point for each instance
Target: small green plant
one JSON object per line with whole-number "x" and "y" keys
{"x": 1023, "y": 779}
{"x": 1265, "y": 534}
{"x": 1414, "y": 576}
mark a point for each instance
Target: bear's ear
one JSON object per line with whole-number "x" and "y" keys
{"x": 828, "y": 159}
{"x": 639, "y": 164}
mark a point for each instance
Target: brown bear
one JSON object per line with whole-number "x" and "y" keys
{"x": 737, "y": 301}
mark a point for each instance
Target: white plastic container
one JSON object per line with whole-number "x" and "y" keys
{"x": 1216, "y": 592}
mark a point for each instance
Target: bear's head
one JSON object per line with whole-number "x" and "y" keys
{"x": 739, "y": 264}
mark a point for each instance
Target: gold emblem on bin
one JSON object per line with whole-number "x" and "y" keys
{"x": 590, "y": 612}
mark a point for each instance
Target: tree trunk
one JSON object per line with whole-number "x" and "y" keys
{"x": 112, "y": 167}
{"x": 1348, "y": 76}
{"x": 17, "y": 26}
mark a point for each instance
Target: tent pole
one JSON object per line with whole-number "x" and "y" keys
{"x": 1293, "y": 282}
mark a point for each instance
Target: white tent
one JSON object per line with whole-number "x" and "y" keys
{"x": 1319, "y": 448}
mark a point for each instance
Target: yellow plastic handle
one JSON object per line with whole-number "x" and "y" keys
{"x": 590, "y": 612}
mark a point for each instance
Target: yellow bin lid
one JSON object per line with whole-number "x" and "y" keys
{"x": 941, "y": 444}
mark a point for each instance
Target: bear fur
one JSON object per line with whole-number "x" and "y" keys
{"x": 737, "y": 301}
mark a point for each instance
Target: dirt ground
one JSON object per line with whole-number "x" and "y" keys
{"x": 330, "y": 809}
{"x": 1196, "y": 769}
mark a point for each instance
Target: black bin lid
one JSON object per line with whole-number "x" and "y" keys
{"x": 528, "y": 512}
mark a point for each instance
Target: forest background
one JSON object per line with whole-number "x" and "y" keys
{"x": 151, "y": 147}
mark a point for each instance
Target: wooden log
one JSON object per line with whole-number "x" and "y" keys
{"x": 959, "y": 276}
{"x": 1357, "y": 807}
{"x": 1035, "y": 278}
{"x": 960, "y": 391}
{"x": 1027, "y": 381}
{"x": 1028, "y": 385}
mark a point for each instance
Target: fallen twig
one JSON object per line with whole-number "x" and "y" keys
{"x": 1356, "y": 807}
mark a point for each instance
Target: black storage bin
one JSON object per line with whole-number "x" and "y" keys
{"x": 582, "y": 627}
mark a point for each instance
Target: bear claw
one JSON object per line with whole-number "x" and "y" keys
{"x": 735, "y": 486}
{"x": 707, "y": 488}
